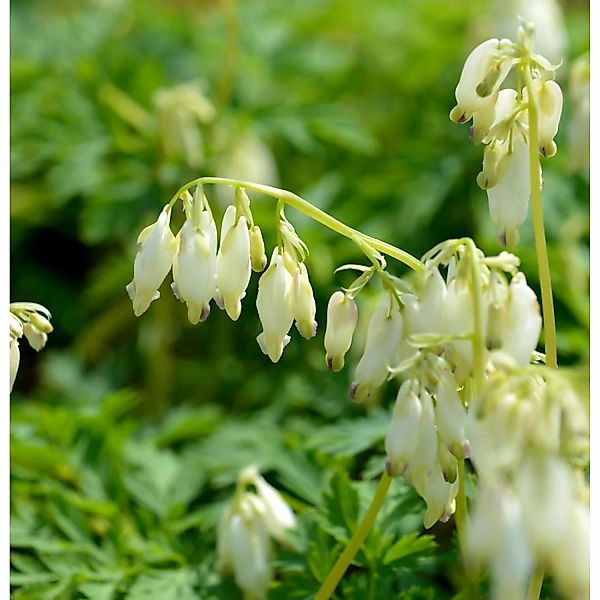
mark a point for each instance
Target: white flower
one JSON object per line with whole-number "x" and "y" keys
{"x": 403, "y": 434}
{"x": 303, "y": 303}
{"x": 549, "y": 101}
{"x": 274, "y": 304}
{"x": 14, "y": 360}
{"x": 424, "y": 457}
{"x": 195, "y": 265}
{"x": 579, "y": 126}
{"x": 383, "y": 338}
{"x": 522, "y": 323}
{"x": 509, "y": 198}
{"x": 258, "y": 258}
{"x": 250, "y": 550}
{"x": 438, "y": 493}
{"x": 278, "y": 516}
{"x": 37, "y": 339}
{"x": 450, "y": 414}
{"x": 342, "y": 316}
{"x": 152, "y": 262}
{"x": 483, "y": 119}
{"x": 426, "y": 314}
{"x": 233, "y": 262}
{"x": 484, "y": 71}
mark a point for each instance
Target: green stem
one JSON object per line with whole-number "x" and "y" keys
{"x": 535, "y": 585}
{"x": 538, "y": 224}
{"x": 311, "y": 211}
{"x": 342, "y": 563}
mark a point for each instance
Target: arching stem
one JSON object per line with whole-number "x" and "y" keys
{"x": 311, "y": 211}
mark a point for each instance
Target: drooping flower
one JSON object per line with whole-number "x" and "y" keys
{"x": 274, "y": 303}
{"x": 522, "y": 323}
{"x": 233, "y": 262}
{"x": 303, "y": 303}
{"x": 195, "y": 265}
{"x": 550, "y": 102}
{"x": 258, "y": 258}
{"x": 384, "y": 335}
{"x": 342, "y": 316}
{"x": 509, "y": 198}
{"x": 484, "y": 71}
{"x": 152, "y": 262}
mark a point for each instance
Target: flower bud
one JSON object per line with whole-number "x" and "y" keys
{"x": 424, "y": 457}
{"x": 40, "y": 322}
{"x": 152, "y": 262}
{"x": 342, "y": 316}
{"x": 233, "y": 262}
{"x": 14, "y": 360}
{"x": 438, "y": 493}
{"x": 274, "y": 304}
{"x": 522, "y": 322}
{"x": 383, "y": 338}
{"x": 402, "y": 436}
{"x": 258, "y": 258}
{"x": 303, "y": 303}
{"x": 550, "y": 102}
{"x": 427, "y": 314}
{"x": 509, "y": 198}
{"x": 195, "y": 266}
{"x": 482, "y": 75}
{"x": 16, "y": 326}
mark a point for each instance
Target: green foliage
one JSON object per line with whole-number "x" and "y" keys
{"x": 116, "y": 494}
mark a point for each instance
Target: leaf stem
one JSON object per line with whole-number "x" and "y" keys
{"x": 535, "y": 584}
{"x": 538, "y": 223}
{"x": 342, "y": 563}
{"x": 311, "y": 211}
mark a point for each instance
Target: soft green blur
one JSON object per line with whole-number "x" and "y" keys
{"x": 117, "y": 103}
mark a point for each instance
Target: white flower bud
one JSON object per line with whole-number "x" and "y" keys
{"x": 152, "y": 262}
{"x": 403, "y": 434}
{"x": 483, "y": 73}
{"x": 16, "y": 326}
{"x": 278, "y": 516}
{"x": 37, "y": 339}
{"x": 250, "y": 550}
{"x": 14, "y": 360}
{"x": 459, "y": 321}
{"x": 274, "y": 304}
{"x": 233, "y": 262}
{"x": 383, "y": 338}
{"x": 550, "y": 102}
{"x": 424, "y": 457}
{"x": 258, "y": 258}
{"x": 40, "y": 322}
{"x": 509, "y": 198}
{"x": 303, "y": 303}
{"x": 522, "y": 322}
{"x": 195, "y": 266}
{"x": 342, "y": 316}
{"x": 450, "y": 414}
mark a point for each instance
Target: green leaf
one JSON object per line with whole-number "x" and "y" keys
{"x": 164, "y": 585}
{"x": 409, "y": 545}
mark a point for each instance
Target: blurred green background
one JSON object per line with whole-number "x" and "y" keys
{"x": 127, "y": 433}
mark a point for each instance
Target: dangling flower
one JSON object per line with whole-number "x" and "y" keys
{"x": 403, "y": 434}
{"x": 550, "y": 102}
{"x": 522, "y": 323}
{"x": 15, "y": 357}
{"x": 383, "y": 338}
{"x": 233, "y": 262}
{"x": 450, "y": 414}
{"x": 483, "y": 73}
{"x": 275, "y": 309}
{"x": 195, "y": 264}
{"x": 152, "y": 262}
{"x": 303, "y": 303}
{"x": 278, "y": 516}
{"x": 427, "y": 313}
{"x": 509, "y": 198}
{"x": 342, "y": 316}
{"x": 244, "y": 547}
{"x": 438, "y": 493}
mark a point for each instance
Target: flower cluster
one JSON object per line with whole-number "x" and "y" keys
{"x": 206, "y": 268}
{"x": 245, "y": 532}
{"x": 501, "y": 122}
{"x": 32, "y": 321}
{"x": 529, "y": 434}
